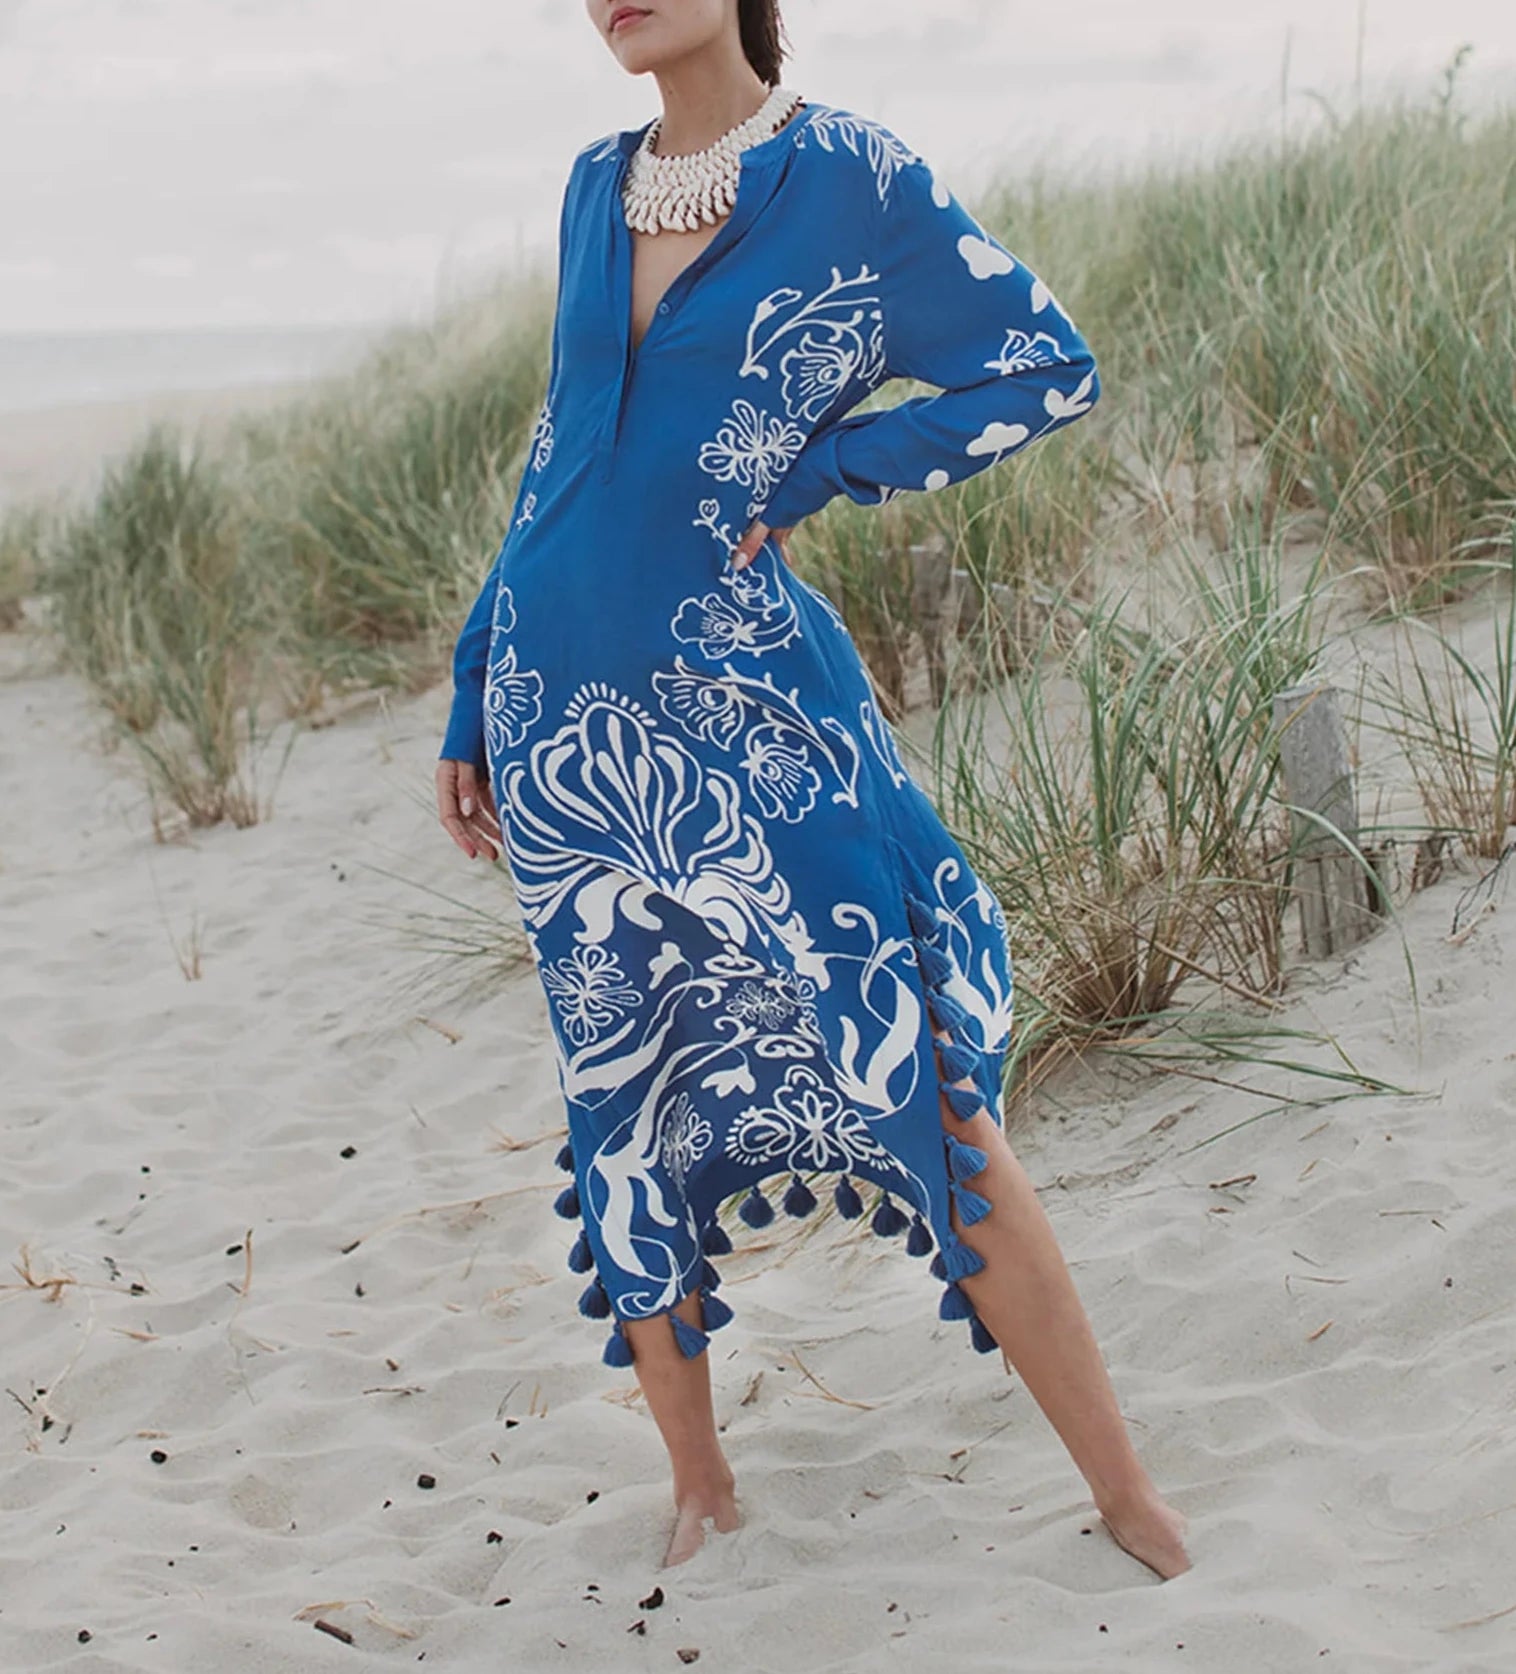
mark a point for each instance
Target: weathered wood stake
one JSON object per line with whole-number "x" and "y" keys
{"x": 935, "y": 600}
{"x": 1330, "y": 885}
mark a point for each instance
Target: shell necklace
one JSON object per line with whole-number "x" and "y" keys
{"x": 681, "y": 192}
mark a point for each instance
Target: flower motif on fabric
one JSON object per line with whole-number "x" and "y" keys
{"x": 1022, "y": 351}
{"x": 610, "y": 790}
{"x": 806, "y": 1127}
{"x": 780, "y": 774}
{"x": 749, "y": 619}
{"x": 752, "y": 447}
{"x": 769, "y": 1002}
{"x": 528, "y": 506}
{"x": 814, "y": 374}
{"x": 591, "y": 991}
{"x": 687, "y": 1136}
{"x": 512, "y": 696}
{"x": 705, "y": 709}
{"x": 781, "y": 739}
{"x": 512, "y": 701}
{"x": 822, "y": 341}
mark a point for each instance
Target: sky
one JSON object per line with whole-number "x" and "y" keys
{"x": 227, "y": 163}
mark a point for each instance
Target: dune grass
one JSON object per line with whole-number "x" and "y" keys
{"x": 1121, "y": 795}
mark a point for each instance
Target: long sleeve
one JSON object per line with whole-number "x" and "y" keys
{"x": 464, "y": 738}
{"x": 961, "y": 313}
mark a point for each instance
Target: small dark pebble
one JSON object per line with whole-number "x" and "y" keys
{"x": 493, "y": 1538}
{"x": 158, "y": 1456}
{"x": 1104, "y": 1628}
{"x": 687, "y": 1653}
{"x": 592, "y": 1496}
{"x": 357, "y": 1290}
{"x": 139, "y": 1290}
{"x": 639, "y": 1626}
{"x": 652, "y": 1601}
{"x": 425, "y": 1481}
{"x": 234, "y": 1249}
{"x": 147, "y": 1168}
{"x": 592, "y": 1586}
{"x": 85, "y": 1636}
{"x": 499, "y": 1601}
{"x": 511, "y": 1423}
{"x": 348, "y": 1151}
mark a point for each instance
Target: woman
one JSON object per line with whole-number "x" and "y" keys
{"x": 763, "y": 953}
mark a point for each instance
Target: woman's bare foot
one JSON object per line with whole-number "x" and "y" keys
{"x": 717, "y": 1502}
{"x": 1152, "y": 1532}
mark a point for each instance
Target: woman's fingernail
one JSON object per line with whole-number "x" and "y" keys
{"x": 468, "y": 805}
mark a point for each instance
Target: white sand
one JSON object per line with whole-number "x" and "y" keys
{"x": 1317, "y": 1360}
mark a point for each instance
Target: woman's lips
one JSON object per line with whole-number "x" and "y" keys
{"x": 626, "y": 15}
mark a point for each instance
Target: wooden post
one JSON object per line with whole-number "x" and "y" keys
{"x": 935, "y": 603}
{"x": 1330, "y": 885}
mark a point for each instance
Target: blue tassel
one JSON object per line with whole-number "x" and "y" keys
{"x": 920, "y": 1241}
{"x": 567, "y": 1202}
{"x": 714, "y": 1313}
{"x": 963, "y": 1159}
{"x": 593, "y": 1301}
{"x": 581, "y": 1257}
{"x": 889, "y": 1218}
{"x": 938, "y": 1267}
{"x": 921, "y": 918}
{"x": 960, "y": 1260}
{"x": 845, "y": 1196}
{"x": 947, "y": 1014}
{"x": 935, "y": 963}
{"x": 715, "y": 1240}
{"x": 972, "y": 1208}
{"x": 958, "y": 1061}
{"x": 961, "y": 1101}
{"x": 981, "y": 1336}
{"x": 755, "y": 1208}
{"x": 565, "y": 1157}
{"x": 690, "y": 1338}
{"x": 799, "y": 1199}
{"x": 710, "y": 1279}
{"x": 954, "y": 1304}
{"x": 618, "y": 1351}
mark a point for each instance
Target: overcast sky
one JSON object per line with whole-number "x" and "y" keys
{"x": 273, "y": 162}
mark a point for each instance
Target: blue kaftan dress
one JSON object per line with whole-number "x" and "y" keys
{"x": 762, "y": 950}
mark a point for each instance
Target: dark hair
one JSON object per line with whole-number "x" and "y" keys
{"x": 760, "y": 24}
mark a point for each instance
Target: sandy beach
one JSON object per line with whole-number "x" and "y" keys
{"x": 289, "y": 1337}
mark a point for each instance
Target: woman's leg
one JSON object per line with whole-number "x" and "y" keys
{"x": 678, "y": 1393}
{"x": 1025, "y": 1296}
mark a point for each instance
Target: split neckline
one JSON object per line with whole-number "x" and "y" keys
{"x": 750, "y": 159}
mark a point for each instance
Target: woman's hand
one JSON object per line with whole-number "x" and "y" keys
{"x": 467, "y": 809}
{"x": 747, "y": 548}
